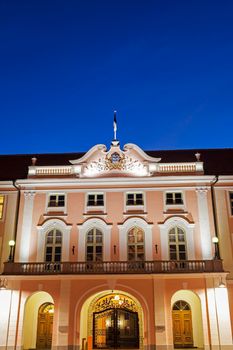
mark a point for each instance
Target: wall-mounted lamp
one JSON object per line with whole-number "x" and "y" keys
{"x": 3, "y": 283}
{"x": 216, "y": 247}
{"x": 11, "y": 244}
{"x": 73, "y": 248}
{"x": 156, "y": 248}
{"x": 114, "y": 249}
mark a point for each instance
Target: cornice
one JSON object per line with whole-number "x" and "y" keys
{"x": 116, "y": 181}
{"x": 7, "y": 185}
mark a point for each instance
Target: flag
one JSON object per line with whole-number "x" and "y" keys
{"x": 115, "y": 125}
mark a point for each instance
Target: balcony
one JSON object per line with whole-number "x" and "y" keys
{"x": 114, "y": 267}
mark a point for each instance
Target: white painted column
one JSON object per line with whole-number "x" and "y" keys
{"x": 63, "y": 319}
{"x": 22, "y": 302}
{"x": 204, "y": 223}
{"x": 203, "y": 298}
{"x": 224, "y": 320}
{"x": 9, "y": 220}
{"x": 13, "y": 315}
{"x": 219, "y": 316}
{"x": 5, "y": 307}
{"x": 224, "y": 231}
{"x": 212, "y": 314}
{"x": 24, "y": 249}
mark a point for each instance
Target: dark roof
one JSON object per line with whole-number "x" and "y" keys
{"x": 216, "y": 161}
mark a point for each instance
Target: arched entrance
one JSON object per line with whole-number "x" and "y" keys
{"x": 45, "y": 326}
{"x": 37, "y": 307}
{"x": 115, "y": 323}
{"x": 182, "y": 324}
{"x": 112, "y": 320}
{"x": 187, "y": 320}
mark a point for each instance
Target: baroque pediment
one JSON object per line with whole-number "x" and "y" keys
{"x": 129, "y": 161}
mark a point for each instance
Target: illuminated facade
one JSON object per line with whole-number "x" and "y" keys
{"x": 117, "y": 248}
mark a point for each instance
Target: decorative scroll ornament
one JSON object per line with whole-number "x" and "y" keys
{"x": 129, "y": 161}
{"x": 115, "y": 161}
{"x": 111, "y": 301}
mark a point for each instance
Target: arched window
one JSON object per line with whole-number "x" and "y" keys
{"x": 177, "y": 244}
{"x": 94, "y": 245}
{"x": 53, "y": 246}
{"x": 181, "y": 305}
{"x": 136, "y": 251}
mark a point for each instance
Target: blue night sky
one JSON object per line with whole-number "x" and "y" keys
{"x": 166, "y": 66}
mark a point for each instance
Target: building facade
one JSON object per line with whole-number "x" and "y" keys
{"x": 117, "y": 248}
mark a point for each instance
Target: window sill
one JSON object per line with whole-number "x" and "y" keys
{"x": 94, "y": 208}
{"x": 57, "y": 213}
{"x": 133, "y": 212}
{"x": 134, "y": 207}
{"x": 55, "y": 209}
{"x": 174, "y": 207}
{"x": 170, "y": 211}
{"x": 94, "y": 212}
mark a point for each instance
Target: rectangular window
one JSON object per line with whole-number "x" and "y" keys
{"x": 56, "y": 200}
{"x": 95, "y": 200}
{"x": 231, "y": 202}
{"x": 134, "y": 199}
{"x": 1, "y": 206}
{"x": 174, "y": 198}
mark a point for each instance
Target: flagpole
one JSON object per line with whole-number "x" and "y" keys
{"x": 115, "y": 125}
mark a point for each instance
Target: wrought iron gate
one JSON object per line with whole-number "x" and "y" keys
{"x": 115, "y": 328}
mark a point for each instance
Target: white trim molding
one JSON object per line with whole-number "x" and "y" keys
{"x": 115, "y": 181}
{"x": 86, "y": 227}
{"x": 176, "y": 221}
{"x": 48, "y": 226}
{"x": 123, "y": 231}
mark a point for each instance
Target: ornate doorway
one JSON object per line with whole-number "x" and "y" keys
{"x": 182, "y": 325}
{"x": 115, "y": 323}
{"x": 45, "y": 326}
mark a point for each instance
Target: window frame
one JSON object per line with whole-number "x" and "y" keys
{"x": 174, "y": 205}
{"x": 135, "y": 207}
{"x": 56, "y": 208}
{"x": 53, "y": 245}
{"x": 91, "y": 208}
{"x": 177, "y": 243}
{"x": 136, "y": 244}
{"x": 94, "y": 245}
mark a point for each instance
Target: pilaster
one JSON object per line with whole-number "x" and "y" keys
{"x": 219, "y": 316}
{"x": 63, "y": 319}
{"x": 26, "y": 226}
{"x": 204, "y": 222}
{"x": 162, "y": 332}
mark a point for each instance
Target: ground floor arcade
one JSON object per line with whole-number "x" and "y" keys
{"x": 159, "y": 312}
